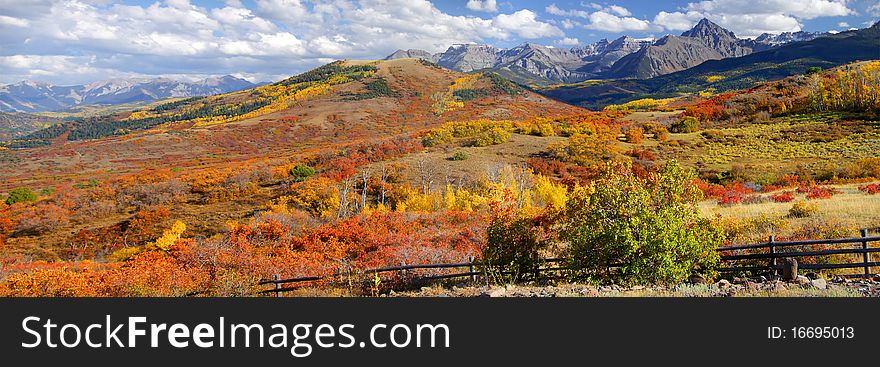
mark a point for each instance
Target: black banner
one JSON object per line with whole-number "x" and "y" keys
{"x": 519, "y": 332}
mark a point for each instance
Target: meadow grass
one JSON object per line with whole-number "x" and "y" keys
{"x": 851, "y": 208}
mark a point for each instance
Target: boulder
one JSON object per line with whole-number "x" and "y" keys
{"x": 696, "y": 279}
{"x": 819, "y": 283}
{"x": 494, "y": 292}
{"x": 802, "y": 280}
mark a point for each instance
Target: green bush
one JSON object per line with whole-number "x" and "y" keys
{"x": 459, "y": 156}
{"x": 687, "y": 124}
{"x": 470, "y": 94}
{"x": 649, "y": 227}
{"x": 21, "y": 194}
{"x": 301, "y": 172}
{"x": 814, "y": 70}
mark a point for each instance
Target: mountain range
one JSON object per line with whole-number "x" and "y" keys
{"x": 728, "y": 73}
{"x": 625, "y": 57}
{"x": 33, "y": 96}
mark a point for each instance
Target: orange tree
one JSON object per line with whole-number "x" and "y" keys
{"x": 515, "y": 241}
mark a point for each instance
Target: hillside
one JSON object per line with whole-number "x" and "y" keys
{"x": 338, "y": 104}
{"x": 730, "y": 73}
{"x": 17, "y": 124}
{"x": 332, "y": 117}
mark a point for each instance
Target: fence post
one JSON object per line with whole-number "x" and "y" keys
{"x": 277, "y": 286}
{"x": 866, "y": 256}
{"x": 773, "y": 257}
{"x": 471, "y": 269}
{"x": 402, "y": 271}
{"x": 485, "y": 271}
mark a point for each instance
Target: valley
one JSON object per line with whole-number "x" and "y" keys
{"x": 371, "y": 163}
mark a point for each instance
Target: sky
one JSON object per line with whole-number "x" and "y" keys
{"x": 67, "y": 42}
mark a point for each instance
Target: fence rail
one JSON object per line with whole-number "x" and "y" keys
{"x": 771, "y": 256}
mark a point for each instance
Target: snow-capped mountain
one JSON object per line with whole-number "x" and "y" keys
{"x": 625, "y": 57}
{"x": 33, "y": 96}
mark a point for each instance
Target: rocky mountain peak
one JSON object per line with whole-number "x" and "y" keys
{"x": 705, "y": 29}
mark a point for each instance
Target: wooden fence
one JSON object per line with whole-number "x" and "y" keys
{"x": 774, "y": 251}
{"x": 778, "y": 250}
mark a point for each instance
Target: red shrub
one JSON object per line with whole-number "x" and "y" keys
{"x": 734, "y": 193}
{"x": 818, "y": 192}
{"x": 784, "y": 197}
{"x": 870, "y": 189}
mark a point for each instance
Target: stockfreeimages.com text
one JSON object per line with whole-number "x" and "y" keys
{"x": 299, "y": 338}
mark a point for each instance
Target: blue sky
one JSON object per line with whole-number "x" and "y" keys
{"x": 79, "y": 41}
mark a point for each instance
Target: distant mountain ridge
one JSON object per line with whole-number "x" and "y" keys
{"x": 729, "y": 73}
{"x": 625, "y": 57}
{"x": 32, "y": 96}
{"x": 532, "y": 63}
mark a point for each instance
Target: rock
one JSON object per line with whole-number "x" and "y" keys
{"x": 723, "y": 283}
{"x": 819, "y": 283}
{"x": 779, "y": 286}
{"x": 696, "y": 279}
{"x": 494, "y": 292}
{"x": 789, "y": 268}
{"x": 802, "y": 280}
{"x": 762, "y": 279}
{"x": 738, "y": 280}
{"x": 812, "y": 275}
{"x": 752, "y": 286}
{"x": 590, "y": 292}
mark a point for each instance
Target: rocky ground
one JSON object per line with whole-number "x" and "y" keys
{"x": 739, "y": 287}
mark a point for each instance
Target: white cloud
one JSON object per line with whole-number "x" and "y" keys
{"x": 13, "y": 21}
{"x": 611, "y": 18}
{"x": 567, "y": 41}
{"x": 555, "y": 10}
{"x": 525, "y": 24}
{"x": 749, "y": 19}
{"x": 259, "y": 38}
{"x": 874, "y": 9}
{"x": 802, "y": 9}
{"x": 237, "y": 17}
{"x": 619, "y": 10}
{"x": 843, "y": 25}
{"x": 677, "y": 21}
{"x": 55, "y": 68}
{"x": 286, "y": 10}
{"x": 489, "y": 6}
{"x": 602, "y": 21}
